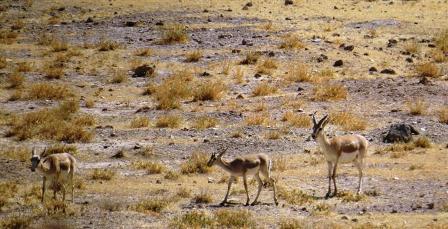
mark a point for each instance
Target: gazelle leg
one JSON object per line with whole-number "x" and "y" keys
{"x": 43, "y": 188}
{"x": 260, "y": 184}
{"x": 245, "y": 188}
{"x": 275, "y": 190}
{"x": 359, "y": 165}
{"x": 330, "y": 170}
{"x": 335, "y": 166}
{"x": 228, "y": 190}
{"x": 72, "y": 184}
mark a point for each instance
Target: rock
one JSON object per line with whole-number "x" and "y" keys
{"x": 338, "y": 63}
{"x": 288, "y": 19}
{"x": 271, "y": 54}
{"x": 322, "y": 58}
{"x": 257, "y": 75}
{"x": 119, "y": 154}
{"x": 392, "y": 43}
{"x": 288, "y": 2}
{"x": 158, "y": 182}
{"x": 143, "y": 109}
{"x": 400, "y": 133}
{"x": 130, "y": 23}
{"x": 210, "y": 180}
{"x": 394, "y": 211}
{"x": 244, "y": 42}
{"x": 159, "y": 23}
{"x": 349, "y": 48}
{"x": 344, "y": 217}
{"x": 144, "y": 71}
{"x": 300, "y": 88}
{"x": 240, "y": 96}
{"x": 425, "y": 81}
{"x": 430, "y": 206}
{"x": 355, "y": 220}
{"x": 89, "y": 20}
{"x": 372, "y": 69}
{"x": 245, "y": 8}
{"x": 249, "y": 4}
{"x": 388, "y": 71}
{"x": 206, "y": 141}
{"x": 113, "y": 135}
{"x": 409, "y": 60}
{"x": 205, "y": 74}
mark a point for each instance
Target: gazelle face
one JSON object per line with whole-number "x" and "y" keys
{"x": 212, "y": 160}
{"x": 316, "y": 131}
{"x": 35, "y": 159}
{"x": 319, "y": 126}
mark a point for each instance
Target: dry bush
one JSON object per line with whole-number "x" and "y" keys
{"x": 204, "y": 197}
{"x": 427, "y": 70}
{"x": 173, "y": 89}
{"x": 412, "y": 47}
{"x": 348, "y": 121}
{"x": 349, "y": 196}
{"x": 110, "y": 205}
{"x": 193, "y": 56}
{"x": 239, "y": 75}
{"x": 295, "y": 196}
{"x": 107, "y": 45}
{"x": 16, "y": 221}
{"x": 15, "y": 80}
{"x": 183, "y": 192}
{"x": 24, "y": 67}
{"x": 328, "y": 91}
{"x": 267, "y": 66}
{"x": 273, "y": 135}
{"x": 102, "y": 174}
{"x": 293, "y": 103}
{"x": 8, "y": 189}
{"x": 325, "y": 74}
{"x": 193, "y": 219}
{"x": 173, "y": 34}
{"x": 226, "y": 67}
{"x": 53, "y": 71}
{"x": 399, "y": 148}
{"x": 264, "y": 89}
{"x": 171, "y": 175}
{"x": 17, "y": 24}
{"x": 143, "y": 52}
{"x": 58, "y": 45}
{"x": 209, "y": 90}
{"x": 139, "y": 122}
{"x": 422, "y": 142}
{"x": 49, "y": 91}
{"x": 45, "y": 39}
{"x": 205, "y": 122}
{"x": 438, "y": 56}
{"x": 290, "y": 223}
{"x": 169, "y": 121}
{"x": 3, "y": 62}
{"x": 15, "y": 153}
{"x": 8, "y": 37}
{"x": 321, "y": 209}
{"x": 149, "y": 166}
{"x": 280, "y": 163}
{"x": 291, "y": 41}
{"x": 443, "y": 115}
{"x": 258, "y": 119}
{"x": 442, "y": 40}
{"x": 90, "y": 103}
{"x": 299, "y": 72}
{"x": 197, "y": 163}
{"x": 16, "y": 95}
{"x": 119, "y": 77}
{"x": 226, "y": 218}
{"x": 417, "y": 107}
{"x": 251, "y": 58}
{"x": 60, "y": 123}
{"x": 154, "y": 205}
{"x": 415, "y": 167}
{"x": 297, "y": 120}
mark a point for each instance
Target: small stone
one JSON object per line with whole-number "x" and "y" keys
{"x": 338, "y": 63}
{"x": 394, "y": 211}
{"x": 355, "y": 220}
{"x": 206, "y": 141}
{"x": 388, "y": 71}
{"x": 210, "y": 180}
{"x": 430, "y": 206}
{"x": 409, "y": 60}
{"x": 113, "y": 135}
{"x": 249, "y": 4}
{"x": 344, "y": 217}
{"x": 143, "y": 71}
{"x": 300, "y": 88}
{"x": 158, "y": 182}
{"x": 349, "y": 48}
{"x": 159, "y": 23}
{"x": 424, "y": 81}
{"x": 372, "y": 69}
{"x": 271, "y": 54}
{"x": 245, "y": 8}
{"x": 288, "y": 2}
{"x": 131, "y": 23}
{"x": 205, "y": 74}
{"x": 288, "y": 19}
{"x": 240, "y": 96}
{"x": 89, "y": 20}
{"x": 244, "y": 42}
{"x": 257, "y": 75}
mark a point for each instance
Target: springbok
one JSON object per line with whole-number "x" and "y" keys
{"x": 340, "y": 149}
{"x": 242, "y": 167}
{"x": 57, "y": 168}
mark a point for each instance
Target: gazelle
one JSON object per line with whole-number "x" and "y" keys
{"x": 242, "y": 167}
{"x": 340, "y": 149}
{"x": 58, "y": 169}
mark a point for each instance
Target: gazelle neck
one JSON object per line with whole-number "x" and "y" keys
{"x": 224, "y": 165}
{"x": 323, "y": 142}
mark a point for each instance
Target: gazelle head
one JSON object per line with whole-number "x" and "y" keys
{"x": 215, "y": 156}
{"x": 319, "y": 126}
{"x": 35, "y": 159}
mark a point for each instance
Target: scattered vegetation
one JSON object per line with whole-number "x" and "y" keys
{"x": 321, "y": 209}
{"x": 299, "y": 72}
{"x": 154, "y": 205}
{"x": 15, "y": 80}
{"x": 329, "y": 91}
{"x": 197, "y": 163}
{"x": 193, "y": 219}
{"x": 8, "y": 37}
{"x": 149, "y": 166}
{"x": 264, "y": 89}
{"x": 24, "y": 67}
{"x": 49, "y": 91}
{"x": 3, "y": 62}
{"x": 290, "y": 223}
{"x": 183, "y": 192}
{"x": 171, "y": 175}
{"x": 273, "y": 135}
{"x": 58, "y": 45}
{"x": 169, "y": 121}
{"x": 140, "y": 122}
{"x": 349, "y": 196}
{"x": 291, "y": 41}
{"x": 257, "y": 119}
{"x": 193, "y": 56}
{"x": 170, "y": 92}
{"x": 417, "y": 106}
{"x": 442, "y": 41}
{"x": 143, "y": 52}
{"x": 60, "y": 148}
{"x": 295, "y": 196}
{"x": 107, "y": 45}
{"x": 422, "y": 142}
{"x": 443, "y": 115}
{"x": 119, "y": 77}
{"x": 15, "y": 153}
{"x": 53, "y": 70}
{"x": 267, "y": 67}
{"x": 348, "y": 121}
{"x": 280, "y": 163}
{"x": 427, "y": 70}
{"x": 209, "y": 90}
{"x": 16, "y": 221}
{"x": 227, "y": 218}
{"x": 297, "y": 120}
{"x": 173, "y": 34}
{"x": 239, "y": 75}
{"x": 412, "y": 47}
{"x": 251, "y": 58}
{"x": 205, "y": 122}
{"x": 204, "y": 197}
{"x": 102, "y": 174}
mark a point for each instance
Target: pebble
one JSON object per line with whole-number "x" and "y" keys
{"x": 338, "y": 63}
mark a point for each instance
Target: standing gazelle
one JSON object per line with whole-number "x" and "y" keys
{"x": 242, "y": 167}
{"x": 57, "y": 168}
{"x": 340, "y": 149}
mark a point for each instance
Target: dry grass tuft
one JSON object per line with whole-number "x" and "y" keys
{"x": 193, "y": 56}
{"x": 59, "y": 45}
{"x": 171, "y": 175}
{"x": 239, "y": 75}
{"x": 350, "y": 197}
{"x": 427, "y": 70}
{"x": 258, "y": 119}
{"x": 107, "y": 45}
{"x": 290, "y": 223}
{"x": 443, "y": 115}
{"x": 174, "y": 34}
{"x": 49, "y": 91}
{"x": 8, "y": 190}
{"x": 321, "y": 209}
{"x": 280, "y": 163}
{"x": 15, "y": 153}
{"x": 149, "y": 166}
{"x": 209, "y": 90}
{"x": 417, "y": 107}
{"x": 251, "y": 58}
{"x": 16, "y": 221}
{"x": 442, "y": 40}
{"x": 267, "y": 67}
{"x": 291, "y": 41}
{"x": 197, "y": 163}
{"x": 155, "y": 205}
{"x": 172, "y": 90}
{"x": 328, "y": 91}
{"x": 90, "y": 103}
{"x": 226, "y": 218}
{"x": 8, "y": 37}
{"x": 205, "y": 122}
{"x": 143, "y": 52}
{"x": 169, "y": 121}
{"x": 348, "y": 121}
{"x": 294, "y": 197}
{"x": 422, "y": 142}
{"x": 299, "y": 73}
{"x": 24, "y": 67}
{"x": 102, "y": 174}
{"x": 183, "y": 192}
{"x": 438, "y": 56}
{"x": 119, "y": 77}
{"x": 412, "y": 47}
{"x": 297, "y": 120}
{"x": 3, "y": 62}
{"x": 15, "y": 80}
{"x": 273, "y": 135}
{"x": 193, "y": 219}
{"x": 204, "y": 197}
{"x": 53, "y": 70}
{"x": 140, "y": 122}
{"x": 264, "y": 89}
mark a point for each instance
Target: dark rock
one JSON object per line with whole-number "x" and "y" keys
{"x": 349, "y": 48}
{"x": 89, "y": 20}
{"x": 104, "y": 109}
{"x": 288, "y": 19}
{"x": 131, "y": 23}
{"x": 338, "y": 63}
{"x": 392, "y": 43}
{"x": 344, "y": 217}
{"x": 431, "y": 45}
{"x": 257, "y": 75}
{"x": 158, "y": 182}
{"x": 143, "y": 109}
{"x": 245, "y": 8}
{"x": 300, "y": 88}
{"x": 143, "y": 71}
{"x": 400, "y": 133}
{"x": 249, "y": 4}
{"x": 322, "y": 58}
{"x": 388, "y": 71}
{"x": 288, "y": 2}
{"x": 159, "y": 23}
{"x": 372, "y": 69}
{"x": 236, "y": 51}
{"x": 240, "y": 96}
{"x": 424, "y": 81}
{"x": 244, "y": 42}
{"x": 205, "y": 74}
{"x": 355, "y": 220}
{"x": 206, "y": 141}
{"x": 271, "y": 54}
{"x": 394, "y": 211}
{"x": 60, "y": 9}
{"x": 430, "y": 206}
{"x": 409, "y": 60}
{"x": 119, "y": 154}
{"x": 113, "y": 135}
{"x": 205, "y": 11}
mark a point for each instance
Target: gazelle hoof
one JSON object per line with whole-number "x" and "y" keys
{"x": 254, "y": 203}
{"x": 222, "y": 203}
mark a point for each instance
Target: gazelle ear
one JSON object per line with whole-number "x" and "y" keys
{"x": 326, "y": 121}
{"x": 222, "y": 152}
{"x": 43, "y": 152}
{"x": 314, "y": 118}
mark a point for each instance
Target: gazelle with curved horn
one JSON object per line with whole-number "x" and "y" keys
{"x": 245, "y": 166}
{"x": 58, "y": 169}
{"x": 340, "y": 149}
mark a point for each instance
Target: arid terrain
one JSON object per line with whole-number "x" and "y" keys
{"x": 143, "y": 92}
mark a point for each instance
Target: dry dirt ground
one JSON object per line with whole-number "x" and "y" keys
{"x": 406, "y": 185}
